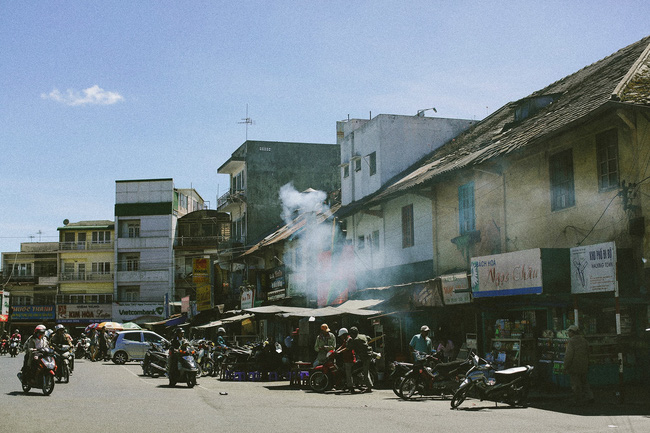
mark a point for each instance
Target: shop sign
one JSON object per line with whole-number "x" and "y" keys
{"x": 185, "y": 304}
{"x": 276, "y": 279}
{"x": 276, "y": 294}
{"x": 247, "y": 298}
{"x": 4, "y": 307}
{"x": 593, "y": 268}
{"x": 129, "y": 311}
{"x": 516, "y": 273}
{"x": 455, "y": 289}
{"x": 32, "y": 312}
{"x": 83, "y": 313}
{"x": 203, "y": 295}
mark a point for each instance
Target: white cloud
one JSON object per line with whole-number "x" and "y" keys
{"x": 94, "y": 95}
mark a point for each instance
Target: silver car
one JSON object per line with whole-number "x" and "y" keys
{"x": 132, "y": 345}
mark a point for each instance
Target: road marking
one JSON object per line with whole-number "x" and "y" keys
{"x": 137, "y": 375}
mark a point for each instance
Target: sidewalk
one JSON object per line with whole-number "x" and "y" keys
{"x": 607, "y": 400}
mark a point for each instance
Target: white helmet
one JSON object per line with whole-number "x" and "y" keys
{"x": 343, "y": 331}
{"x": 220, "y": 330}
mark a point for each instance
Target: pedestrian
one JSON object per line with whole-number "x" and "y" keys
{"x": 347, "y": 356}
{"x": 421, "y": 343}
{"x": 325, "y": 341}
{"x": 446, "y": 348}
{"x": 362, "y": 352}
{"x": 576, "y": 365}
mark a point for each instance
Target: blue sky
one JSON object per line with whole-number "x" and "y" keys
{"x": 93, "y": 92}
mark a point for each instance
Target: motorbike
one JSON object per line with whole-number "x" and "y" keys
{"x": 154, "y": 363}
{"x": 397, "y": 372}
{"x": 187, "y": 368}
{"x": 331, "y": 374}
{"x": 218, "y": 357}
{"x": 42, "y": 372}
{"x": 82, "y": 348}
{"x": 4, "y": 346}
{"x": 203, "y": 359}
{"x": 14, "y": 347}
{"x": 430, "y": 377}
{"x": 482, "y": 381}
{"x": 63, "y": 358}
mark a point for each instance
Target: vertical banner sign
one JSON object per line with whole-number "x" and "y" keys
{"x": 201, "y": 279}
{"x": 593, "y": 268}
{"x": 516, "y": 273}
{"x": 4, "y": 314}
{"x": 455, "y": 289}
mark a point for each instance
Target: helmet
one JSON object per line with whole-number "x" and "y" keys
{"x": 59, "y": 327}
{"x": 179, "y": 330}
{"x": 17, "y": 331}
{"x": 343, "y": 331}
{"x": 40, "y": 329}
{"x": 220, "y": 330}
{"x": 48, "y": 333}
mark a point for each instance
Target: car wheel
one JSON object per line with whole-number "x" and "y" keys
{"x": 120, "y": 358}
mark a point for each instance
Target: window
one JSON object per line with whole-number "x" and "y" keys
{"x": 128, "y": 293}
{"x": 607, "y": 157}
{"x": 132, "y": 262}
{"x": 151, "y": 338}
{"x": 133, "y": 229}
{"x": 466, "y": 215}
{"x": 101, "y": 237}
{"x": 357, "y": 164}
{"x": 68, "y": 271}
{"x": 361, "y": 242}
{"x": 101, "y": 268}
{"x": 372, "y": 162}
{"x": 561, "y": 175}
{"x": 346, "y": 170}
{"x": 21, "y": 300}
{"x": 22, "y": 269}
{"x": 375, "y": 240}
{"x": 131, "y": 336}
{"x": 407, "y": 227}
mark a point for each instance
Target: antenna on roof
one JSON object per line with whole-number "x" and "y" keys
{"x": 247, "y": 121}
{"x": 421, "y": 112}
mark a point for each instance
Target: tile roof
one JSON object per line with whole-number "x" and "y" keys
{"x": 622, "y": 77}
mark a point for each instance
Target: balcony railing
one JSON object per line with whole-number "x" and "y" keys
{"x": 86, "y": 276}
{"x": 199, "y": 241}
{"x": 82, "y": 246}
{"x": 231, "y": 197}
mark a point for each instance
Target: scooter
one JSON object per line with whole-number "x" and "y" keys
{"x": 397, "y": 372}
{"x": 429, "y": 377}
{"x": 63, "y": 358}
{"x": 154, "y": 363}
{"x": 42, "y": 372}
{"x": 206, "y": 366}
{"x": 14, "y": 347}
{"x": 187, "y": 369}
{"x": 510, "y": 386}
{"x": 82, "y": 349}
{"x": 331, "y": 373}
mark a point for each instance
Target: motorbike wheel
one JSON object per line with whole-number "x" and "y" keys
{"x": 460, "y": 395}
{"x": 409, "y": 387}
{"x": 216, "y": 369}
{"x": 48, "y": 384}
{"x": 396, "y": 385}
{"x": 191, "y": 380}
{"x": 26, "y": 386}
{"x": 319, "y": 381}
{"x": 520, "y": 397}
{"x": 208, "y": 367}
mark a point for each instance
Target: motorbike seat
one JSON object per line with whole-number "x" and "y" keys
{"x": 510, "y": 374}
{"x": 446, "y": 367}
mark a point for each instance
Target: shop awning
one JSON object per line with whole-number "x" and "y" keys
{"x": 354, "y": 309}
{"x": 237, "y": 318}
{"x": 172, "y": 321}
{"x": 210, "y": 324}
{"x": 275, "y": 309}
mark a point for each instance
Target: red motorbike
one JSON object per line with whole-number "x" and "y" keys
{"x": 42, "y": 372}
{"x": 331, "y": 374}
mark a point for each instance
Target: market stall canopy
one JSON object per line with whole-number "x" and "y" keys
{"x": 237, "y": 318}
{"x": 210, "y": 324}
{"x": 352, "y": 307}
{"x": 275, "y": 309}
{"x": 174, "y": 320}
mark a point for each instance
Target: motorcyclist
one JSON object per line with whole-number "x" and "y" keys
{"x": 36, "y": 341}
{"x": 221, "y": 341}
{"x": 177, "y": 342}
{"x": 59, "y": 339}
{"x": 17, "y": 335}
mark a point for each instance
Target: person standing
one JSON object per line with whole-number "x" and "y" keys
{"x": 421, "y": 342}
{"x": 362, "y": 351}
{"x": 325, "y": 341}
{"x": 347, "y": 357}
{"x": 576, "y": 365}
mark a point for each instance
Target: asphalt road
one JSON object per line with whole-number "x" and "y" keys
{"x": 105, "y": 397}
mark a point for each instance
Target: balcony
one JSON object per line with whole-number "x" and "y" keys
{"x": 191, "y": 242}
{"x": 229, "y": 199}
{"x": 86, "y": 276}
{"x": 142, "y": 276}
{"x": 85, "y": 246}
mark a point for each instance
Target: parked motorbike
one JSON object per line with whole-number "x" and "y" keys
{"x": 429, "y": 377}
{"x": 187, "y": 368}
{"x": 14, "y": 347}
{"x": 63, "y": 358}
{"x": 331, "y": 374}
{"x": 482, "y": 381}
{"x": 154, "y": 363}
{"x": 397, "y": 372}
{"x": 42, "y": 372}
{"x": 203, "y": 359}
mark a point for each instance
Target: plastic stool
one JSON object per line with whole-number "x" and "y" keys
{"x": 273, "y": 375}
{"x": 304, "y": 378}
{"x": 239, "y": 375}
{"x": 253, "y": 375}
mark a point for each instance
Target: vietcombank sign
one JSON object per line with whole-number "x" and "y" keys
{"x": 132, "y": 311}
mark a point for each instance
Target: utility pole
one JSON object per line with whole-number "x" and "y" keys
{"x": 247, "y": 121}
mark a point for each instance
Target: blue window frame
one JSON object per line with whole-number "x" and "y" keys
{"x": 466, "y": 214}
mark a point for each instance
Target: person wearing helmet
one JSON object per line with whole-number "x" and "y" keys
{"x": 347, "y": 357}
{"x": 36, "y": 341}
{"x": 221, "y": 341}
{"x": 59, "y": 339}
{"x": 17, "y": 336}
{"x": 176, "y": 343}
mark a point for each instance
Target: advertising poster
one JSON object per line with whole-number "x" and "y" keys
{"x": 516, "y": 273}
{"x": 455, "y": 289}
{"x": 247, "y": 298}
{"x": 83, "y": 313}
{"x": 201, "y": 279}
{"x": 593, "y": 268}
{"x": 32, "y": 313}
{"x": 4, "y": 312}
